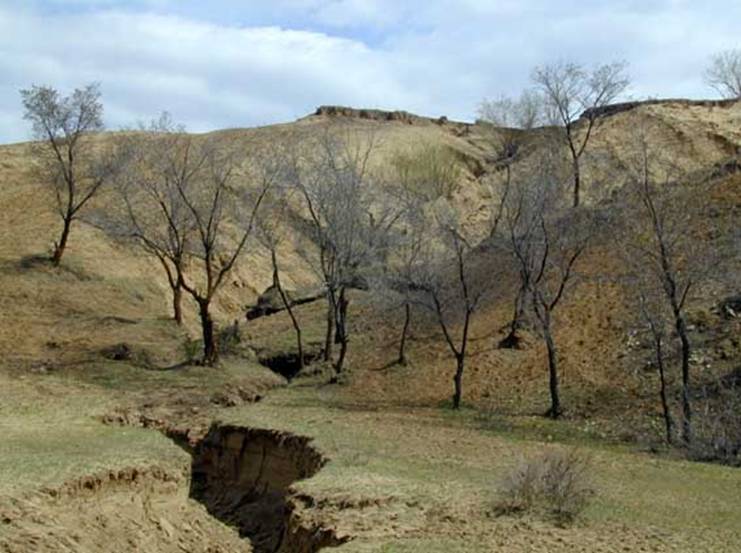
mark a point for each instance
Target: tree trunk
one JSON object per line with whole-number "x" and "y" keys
{"x": 686, "y": 407}
{"x": 405, "y": 329}
{"x": 341, "y": 358}
{"x": 668, "y": 422}
{"x": 512, "y": 340}
{"x": 339, "y": 317}
{"x": 577, "y": 181}
{"x": 458, "y": 380}
{"x": 554, "y": 411}
{"x": 210, "y": 351}
{"x": 287, "y": 304}
{"x": 60, "y": 246}
{"x": 177, "y": 300}
{"x": 507, "y": 184}
{"x": 341, "y": 330}
{"x": 328, "y": 338}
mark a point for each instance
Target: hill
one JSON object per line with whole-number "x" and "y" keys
{"x": 92, "y": 366}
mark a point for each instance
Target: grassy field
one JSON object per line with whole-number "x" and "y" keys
{"x": 53, "y": 424}
{"x": 406, "y": 480}
{"x": 51, "y": 434}
{"x": 403, "y": 480}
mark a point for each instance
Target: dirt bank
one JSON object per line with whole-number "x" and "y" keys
{"x": 243, "y": 476}
{"x": 128, "y": 510}
{"x": 235, "y": 496}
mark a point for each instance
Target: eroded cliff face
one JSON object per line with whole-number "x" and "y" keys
{"x": 237, "y": 497}
{"x": 243, "y": 476}
{"x": 124, "y": 510}
{"x": 384, "y": 115}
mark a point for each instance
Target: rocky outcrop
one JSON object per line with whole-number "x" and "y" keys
{"x": 383, "y": 115}
{"x": 614, "y": 109}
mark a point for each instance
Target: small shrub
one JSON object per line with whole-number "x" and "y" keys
{"x": 229, "y": 339}
{"x": 555, "y": 484}
{"x": 717, "y": 424}
{"x": 192, "y": 349}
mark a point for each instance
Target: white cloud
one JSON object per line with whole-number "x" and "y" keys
{"x": 231, "y": 63}
{"x": 208, "y": 75}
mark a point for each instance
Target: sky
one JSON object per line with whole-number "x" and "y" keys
{"x": 228, "y": 63}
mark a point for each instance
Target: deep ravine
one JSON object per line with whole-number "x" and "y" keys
{"x": 243, "y": 477}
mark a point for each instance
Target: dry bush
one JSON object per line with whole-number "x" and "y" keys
{"x": 429, "y": 171}
{"x": 555, "y": 483}
{"x": 717, "y": 436}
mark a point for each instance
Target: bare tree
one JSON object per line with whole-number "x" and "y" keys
{"x": 668, "y": 259}
{"x": 161, "y": 160}
{"x": 402, "y": 269}
{"x": 69, "y": 161}
{"x": 333, "y": 177}
{"x": 653, "y": 316}
{"x": 724, "y": 73}
{"x": 573, "y": 94}
{"x": 181, "y": 204}
{"x": 546, "y": 241}
{"x": 223, "y": 218}
{"x": 442, "y": 282}
{"x": 508, "y": 121}
{"x": 646, "y": 304}
{"x": 269, "y": 234}
{"x": 419, "y": 176}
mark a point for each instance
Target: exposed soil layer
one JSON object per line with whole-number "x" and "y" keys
{"x": 614, "y": 109}
{"x": 243, "y": 477}
{"x": 125, "y": 510}
{"x": 383, "y": 115}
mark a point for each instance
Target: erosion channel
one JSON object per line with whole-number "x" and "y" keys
{"x": 243, "y": 477}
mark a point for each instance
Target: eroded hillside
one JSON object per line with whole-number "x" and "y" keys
{"x": 128, "y": 284}
{"x": 93, "y": 381}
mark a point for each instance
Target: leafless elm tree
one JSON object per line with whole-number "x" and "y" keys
{"x": 667, "y": 259}
{"x": 271, "y": 234}
{"x": 418, "y": 178}
{"x": 546, "y": 239}
{"x": 442, "y": 282}
{"x": 508, "y": 122}
{"x": 70, "y": 162}
{"x": 333, "y": 176}
{"x": 224, "y": 217}
{"x": 161, "y": 161}
{"x": 573, "y": 96}
{"x": 188, "y": 201}
{"x": 724, "y": 73}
